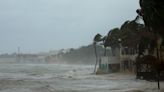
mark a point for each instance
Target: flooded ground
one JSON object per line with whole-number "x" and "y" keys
{"x": 68, "y": 78}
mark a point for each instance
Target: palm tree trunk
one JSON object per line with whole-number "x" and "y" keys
{"x": 96, "y": 57}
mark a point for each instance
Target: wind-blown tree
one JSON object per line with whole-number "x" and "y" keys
{"x": 112, "y": 39}
{"x": 130, "y": 34}
{"x": 152, "y": 13}
{"x": 135, "y": 36}
{"x": 96, "y": 39}
{"x": 104, "y": 44}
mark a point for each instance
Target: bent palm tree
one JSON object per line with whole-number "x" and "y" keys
{"x": 112, "y": 39}
{"x": 152, "y": 12}
{"x": 96, "y": 39}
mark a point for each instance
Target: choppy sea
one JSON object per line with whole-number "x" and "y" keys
{"x": 68, "y": 78}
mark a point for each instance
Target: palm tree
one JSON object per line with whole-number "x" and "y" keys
{"x": 152, "y": 12}
{"x": 111, "y": 40}
{"x": 135, "y": 36}
{"x": 96, "y": 39}
{"x": 104, "y": 39}
{"x": 130, "y": 35}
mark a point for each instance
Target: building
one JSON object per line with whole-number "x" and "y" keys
{"x": 122, "y": 61}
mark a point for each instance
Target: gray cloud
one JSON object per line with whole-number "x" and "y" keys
{"x": 41, "y": 25}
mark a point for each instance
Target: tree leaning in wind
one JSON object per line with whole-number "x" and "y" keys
{"x": 112, "y": 40}
{"x": 152, "y": 13}
{"x": 96, "y": 39}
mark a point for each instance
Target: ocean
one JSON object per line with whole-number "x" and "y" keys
{"x": 68, "y": 78}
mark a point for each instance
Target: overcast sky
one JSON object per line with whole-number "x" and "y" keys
{"x": 43, "y": 25}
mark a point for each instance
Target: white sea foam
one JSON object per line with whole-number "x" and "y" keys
{"x": 68, "y": 78}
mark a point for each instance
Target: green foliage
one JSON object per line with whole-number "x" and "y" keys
{"x": 152, "y": 12}
{"x": 133, "y": 34}
{"x": 112, "y": 38}
{"x": 97, "y": 38}
{"x": 130, "y": 33}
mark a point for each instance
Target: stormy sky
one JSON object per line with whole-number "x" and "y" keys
{"x": 43, "y": 25}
